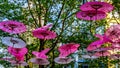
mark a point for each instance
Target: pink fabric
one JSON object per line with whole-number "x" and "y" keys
{"x": 67, "y": 49}
{"x": 44, "y": 34}
{"x": 17, "y": 51}
{"x": 12, "y": 27}
{"x": 113, "y": 33}
{"x": 100, "y": 6}
{"x": 91, "y": 15}
{"x": 41, "y": 54}
{"x": 97, "y": 44}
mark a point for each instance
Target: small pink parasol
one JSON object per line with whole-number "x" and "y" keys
{"x": 44, "y": 34}
{"x": 91, "y": 15}
{"x": 12, "y": 27}
{"x": 17, "y": 51}
{"x": 115, "y": 56}
{"x": 113, "y": 33}
{"x": 63, "y": 60}
{"x": 41, "y": 54}
{"x": 13, "y": 42}
{"x": 40, "y": 61}
{"x": 67, "y": 49}
{"x": 98, "y": 6}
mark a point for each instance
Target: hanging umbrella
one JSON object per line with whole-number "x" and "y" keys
{"x": 13, "y": 42}
{"x": 17, "y": 51}
{"x": 102, "y": 53}
{"x": 49, "y": 25}
{"x": 89, "y": 56}
{"x": 113, "y": 33}
{"x": 16, "y": 63}
{"x": 40, "y": 61}
{"x": 98, "y": 6}
{"x": 115, "y": 56}
{"x": 41, "y": 54}
{"x": 67, "y": 49}
{"x": 63, "y": 60}
{"x": 12, "y": 27}
{"x": 44, "y": 34}
{"x": 91, "y": 15}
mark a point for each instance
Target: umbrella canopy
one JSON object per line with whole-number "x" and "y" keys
{"x": 49, "y": 25}
{"x": 12, "y": 27}
{"x": 63, "y": 60}
{"x": 91, "y": 15}
{"x": 99, "y": 6}
{"x": 41, "y": 54}
{"x": 40, "y": 61}
{"x": 13, "y": 42}
{"x": 113, "y": 33}
{"x": 16, "y": 63}
{"x": 67, "y": 49}
{"x": 44, "y": 34}
{"x": 17, "y": 51}
{"x": 115, "y": 56}
{"x": 102, "y": 53}
{"x": 89, "y": 56}
{"x": 97, "y": 44}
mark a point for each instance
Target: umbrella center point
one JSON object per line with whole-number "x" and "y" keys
{"x": 12, "y": 26}
{"x": 14, "y": 41}
{"x": 96, "y": 6}
{"x": 44, "y": 34}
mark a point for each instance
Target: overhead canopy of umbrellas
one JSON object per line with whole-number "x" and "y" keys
{"x": 94, "y": 10}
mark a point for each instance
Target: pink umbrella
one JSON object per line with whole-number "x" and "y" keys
{"x": 17, "y": 51}
{"x": 97, "y": 44}
{"x": 113, "y": 33}
{"x": 44, "y": 34}
{"x": 41, "y": 54}
{"x": 102, "y": 53}
{"x": 98, "y": 6}
{"x": 91, "y": 15}
{"x": 67, "y": 49}
{"x": 40, "y": 61}
{"x": 115, "y": 56}
{"x": 13, "y": 42}
{"x": 63, "y": 60}
{"x": 12, "y": 27}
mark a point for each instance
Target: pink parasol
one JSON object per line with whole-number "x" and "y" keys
{"x": 40, "y": 61}
{"x": 113, "y": 33}
{"x": 115, "y": 56}
{"x": 89, "y": 56}
{"x": 99, "y": 6}
{"x": 67, "y": 49}
{"x": 102, "y": 53}
{"x": 97, "y": 44}
{"x": 17, "y": 51}
{"x": 13, "y": 42}
{"x": 41, "y": 54}
{"x": 91, "y": 15}
{"x": 44, "y": 34}
{"x": 12, "y": 27}
{"x": 63, "y": 60}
